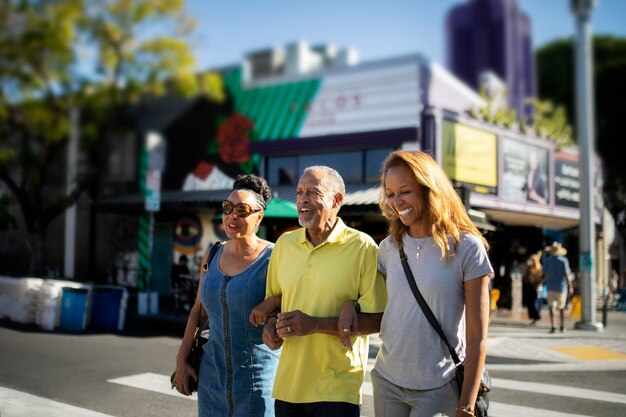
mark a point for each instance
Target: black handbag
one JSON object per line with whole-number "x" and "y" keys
{"x": 482, "y": 400}
{"x": 195, "y": 355}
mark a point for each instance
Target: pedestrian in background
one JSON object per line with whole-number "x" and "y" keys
{"x": 237, "y": 368}
{"x": 414, "y": 374}
{"x": 532, "y": 281}
{"x": 558, "y": 282}
{"x": 315, "y": 270}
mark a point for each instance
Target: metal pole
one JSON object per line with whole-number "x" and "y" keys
{"x": 584, "y": 121}
{"x": 150, "y": 249}
{"x": 70, "y": 181}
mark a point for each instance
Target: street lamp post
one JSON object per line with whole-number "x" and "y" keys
{"x": 584, "y": 121}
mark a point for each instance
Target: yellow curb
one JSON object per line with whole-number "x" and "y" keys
{"x": 590, "y": 353}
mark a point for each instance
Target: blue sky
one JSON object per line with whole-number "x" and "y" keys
{"x": 227, "y": 29}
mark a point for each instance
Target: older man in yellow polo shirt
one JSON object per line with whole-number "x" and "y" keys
{"x": 315, "y": 270}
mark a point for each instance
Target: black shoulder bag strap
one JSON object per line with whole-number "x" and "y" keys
{"x": 203, "y": 269}
{"x": 422, "y": 303}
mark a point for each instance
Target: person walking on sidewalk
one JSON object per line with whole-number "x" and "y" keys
{"x": 237, "y": 369}
{"x": 414, "y": 374}
{"x": 558, "y": 283}
{"x": 315, "y": 270}
{"x": 532, "y": 281}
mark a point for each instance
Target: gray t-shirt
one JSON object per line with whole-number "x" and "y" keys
{"x": 412, "y": 354}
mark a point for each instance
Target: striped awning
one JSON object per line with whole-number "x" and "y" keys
{"x": 278, "y": 111}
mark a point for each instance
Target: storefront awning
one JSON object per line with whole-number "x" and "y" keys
{"x": 511, "y": 218}
{"x": 360, "y": 200}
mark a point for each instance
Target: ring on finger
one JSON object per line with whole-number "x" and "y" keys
{"x": 346, "y": 330}
{"x": 288, "y": 329}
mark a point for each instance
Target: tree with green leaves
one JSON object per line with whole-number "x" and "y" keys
{"x": 555, "y": 72}
{"x": 547, "y": 120}
{"x": 101, "y": 57}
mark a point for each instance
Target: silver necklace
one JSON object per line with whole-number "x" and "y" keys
{"x": 418, "y": 245}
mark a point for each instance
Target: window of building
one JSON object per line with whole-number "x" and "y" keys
{"x": 356, "y": 167}
{"x": 282, "y": 170}
{"x": 348, "y": 164}
{"x": 374, "y": 159}
{"x": 122, "y": 159}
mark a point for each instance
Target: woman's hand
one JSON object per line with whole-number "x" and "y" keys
{"x": 347, "y": 322}
{"x": 270, "y": 335}
{"x": 261, "y": 313}
{"x": 184, "y": 371}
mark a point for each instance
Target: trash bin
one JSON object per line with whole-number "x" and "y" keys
{"x": 74, "y": 309}
{"x": 108, "y": 308}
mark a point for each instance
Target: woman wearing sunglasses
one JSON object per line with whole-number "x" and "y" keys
{"x": 237, "y": 369}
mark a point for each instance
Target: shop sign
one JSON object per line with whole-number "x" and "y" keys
{"x": 470, "y": 156}
{"x": 566, "y": 181}
{"x": 365, "y": 100}
{"x": 153, "y": 190}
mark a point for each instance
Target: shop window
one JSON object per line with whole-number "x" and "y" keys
{"x": 282, "y": 170}
{"x": 356, "y": 167}
{"x": 121, "y": 165}
{"x": 348, "y": 164}
{"x": 374, "y": 159}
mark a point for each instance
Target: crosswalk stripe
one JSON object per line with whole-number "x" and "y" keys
{"x": 161, "y": 384}
{"x": 508, "y": 410}
{"x": 152, "y": 382}
{"x": 20, "y": 404}
{"x": 560, "y": 390}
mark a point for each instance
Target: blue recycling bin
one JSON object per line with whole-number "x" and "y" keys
{"x": 106, "y": 307}
{"x": 74, "y": 309}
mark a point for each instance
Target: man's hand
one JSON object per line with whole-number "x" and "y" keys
{"x": 270, "y": 336}
{"x": 294, "y": 323}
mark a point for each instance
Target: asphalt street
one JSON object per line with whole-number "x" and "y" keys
{"x": 577, "y": 373}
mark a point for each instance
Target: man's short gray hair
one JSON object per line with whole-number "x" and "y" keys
{"x": 332, "y": 180}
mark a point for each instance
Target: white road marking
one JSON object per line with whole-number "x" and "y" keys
{"x": 20, "y": 404}
{"x": 507, "y": 410}
{"x": 152, "y": 382}
{"x": 161, "y": 384}
{"x": 560, "y": 390}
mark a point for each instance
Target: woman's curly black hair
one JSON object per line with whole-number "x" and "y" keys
{"x": 253, "y": 183}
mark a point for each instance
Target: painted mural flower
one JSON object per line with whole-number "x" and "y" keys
{"x": 203, "y": 170}
{"x": 233, "y": 139}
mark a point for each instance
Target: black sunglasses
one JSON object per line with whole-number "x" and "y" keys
{"x": 241, "y": 209}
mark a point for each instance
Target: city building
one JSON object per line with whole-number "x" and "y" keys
{"x": 496, "y": 36}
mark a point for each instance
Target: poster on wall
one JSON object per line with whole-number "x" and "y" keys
{"x": 470, "y": 156}
{"x": 566, "y": 180}
{"x": 524, "y": 172}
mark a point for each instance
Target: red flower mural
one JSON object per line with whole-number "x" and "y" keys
{"x": 233, "y": 139}
{"x": 203, "y": 170}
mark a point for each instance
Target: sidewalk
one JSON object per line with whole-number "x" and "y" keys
{"x": 513, "y": 343}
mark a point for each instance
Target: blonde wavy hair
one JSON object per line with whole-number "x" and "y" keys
{"x": 444, "y": 207}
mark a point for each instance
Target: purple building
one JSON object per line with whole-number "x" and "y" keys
{"x": 493, "y": 35}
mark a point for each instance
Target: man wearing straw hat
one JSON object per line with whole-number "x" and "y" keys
{"x": 557, "y": 273}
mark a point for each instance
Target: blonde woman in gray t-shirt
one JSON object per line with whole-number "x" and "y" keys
{"x": 414, "y": 374}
